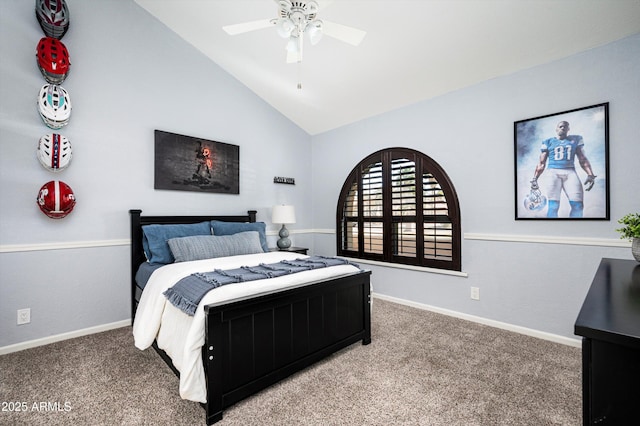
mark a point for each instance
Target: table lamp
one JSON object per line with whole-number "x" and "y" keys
{"x": 283, "y": 214}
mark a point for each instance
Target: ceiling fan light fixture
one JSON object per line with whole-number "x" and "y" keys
{"x": 315, "y": 31}
{"x": 284, "y": 26}
{"x": 293, "y": 45}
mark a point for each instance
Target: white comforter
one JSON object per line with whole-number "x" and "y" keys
{"x": 181, "y": 335}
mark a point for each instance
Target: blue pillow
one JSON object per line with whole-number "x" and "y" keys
{"x": 155, "y": 237}
{"x": 229, "y": 228}
{"x": 198, "y": 247}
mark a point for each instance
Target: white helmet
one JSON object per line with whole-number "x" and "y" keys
{"x": 54, "y": 105}
{"x": 54, "y": 152}
{"x": 535, "y": 200}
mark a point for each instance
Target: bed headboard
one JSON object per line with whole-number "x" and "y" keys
{"x": 137, "y": 221}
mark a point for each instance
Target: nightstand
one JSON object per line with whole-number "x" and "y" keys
{"x": 301, "y": 250}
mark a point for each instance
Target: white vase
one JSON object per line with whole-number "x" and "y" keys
{"x": 635, "y": 248}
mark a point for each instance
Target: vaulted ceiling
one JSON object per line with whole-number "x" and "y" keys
{"x": 413, "y": 49}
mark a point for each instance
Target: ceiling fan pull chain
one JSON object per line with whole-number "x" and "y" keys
{"x": 299, "y": 61}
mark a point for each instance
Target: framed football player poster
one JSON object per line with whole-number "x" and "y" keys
{"x": 562, "y": 165}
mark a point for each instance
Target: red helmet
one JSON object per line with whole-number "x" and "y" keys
{"x": 56, "y": 199}
{"x": 53, "y": 17}
{"x": 53, "y": 60}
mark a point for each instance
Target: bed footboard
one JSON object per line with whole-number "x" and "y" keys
{"x": 254, "y": 343}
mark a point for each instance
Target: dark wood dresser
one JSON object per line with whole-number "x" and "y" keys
{"x": 609, "y": 323}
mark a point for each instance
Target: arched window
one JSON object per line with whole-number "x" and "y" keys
{"x": 398, "y": 205}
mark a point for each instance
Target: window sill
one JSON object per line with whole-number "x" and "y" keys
{"x": 409, "y": 267}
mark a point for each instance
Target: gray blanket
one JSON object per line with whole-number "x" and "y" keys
{"x": 187, "y": 293}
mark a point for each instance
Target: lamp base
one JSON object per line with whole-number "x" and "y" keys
{"x": 284, "y": 242}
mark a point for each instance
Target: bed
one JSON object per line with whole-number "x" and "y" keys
{"x": 251, "y": 341}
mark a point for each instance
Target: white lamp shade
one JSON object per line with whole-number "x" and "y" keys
{"x": 293, "y": 45}
{"x": 315, "y": 32}
{"x": 284, "y": 27}
{"x": 283, "y": 214}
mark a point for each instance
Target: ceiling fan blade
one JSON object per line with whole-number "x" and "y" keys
{"x": 341, "y": 32}
{"x": 247, "y": 26}
{"x": 284, "y": 4}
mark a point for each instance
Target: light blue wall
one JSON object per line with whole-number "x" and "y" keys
{"x": 129, "y": 76}
{"x": 470, "y": 134}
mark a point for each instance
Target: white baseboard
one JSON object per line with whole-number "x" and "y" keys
{"x": 498, "y": 324}
{"x": 64, "y": 336}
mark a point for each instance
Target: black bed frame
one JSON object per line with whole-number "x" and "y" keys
{"x": 253, "y": 343}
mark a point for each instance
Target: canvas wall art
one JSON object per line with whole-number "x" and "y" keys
{"x": 187, "y": 163}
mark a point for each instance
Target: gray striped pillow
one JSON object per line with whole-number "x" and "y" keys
{"x": 199, "y": 247}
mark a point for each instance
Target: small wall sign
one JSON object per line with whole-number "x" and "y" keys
{"x": 288, "y": 181}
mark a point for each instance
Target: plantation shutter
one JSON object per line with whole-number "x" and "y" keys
{"x": 403, "y": 207}
{"x": 399, "y": 206}
{"x": 372, "y": 208}
{"x": 438, "y": 231}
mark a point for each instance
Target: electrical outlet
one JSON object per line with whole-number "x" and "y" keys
{"x": 24, "y": 316}
{"x": 475, "y": 293}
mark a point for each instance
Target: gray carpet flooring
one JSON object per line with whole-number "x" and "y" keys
{"x": 422, "y": 368}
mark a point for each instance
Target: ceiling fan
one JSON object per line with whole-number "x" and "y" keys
{"x": 295, "y": 18}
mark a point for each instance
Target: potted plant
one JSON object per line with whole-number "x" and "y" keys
{"x": 631, "y": 231}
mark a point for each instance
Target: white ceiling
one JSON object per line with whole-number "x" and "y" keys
{"x": 413, "y": 50}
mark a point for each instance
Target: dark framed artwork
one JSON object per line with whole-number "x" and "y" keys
{"x": 187, "y": 163}
{"x": 562, "y": 165}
